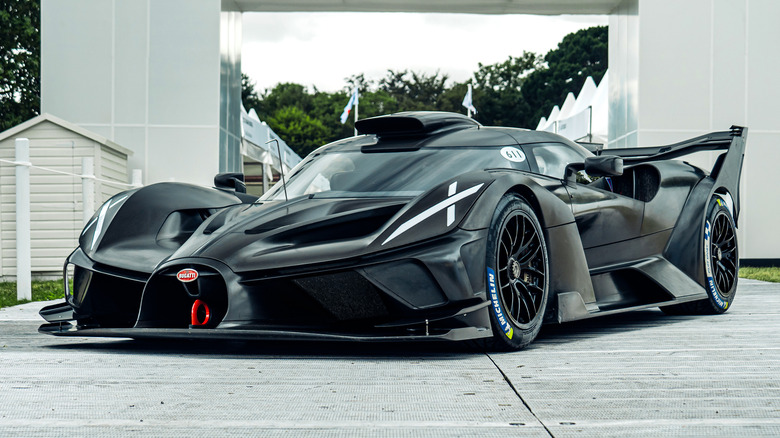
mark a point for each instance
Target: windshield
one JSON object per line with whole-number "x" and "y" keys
{"x": 381, "y": 174}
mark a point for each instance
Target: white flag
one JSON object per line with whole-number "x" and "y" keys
{"x": 468, "y": 103}
{"x": 352, "y": 101}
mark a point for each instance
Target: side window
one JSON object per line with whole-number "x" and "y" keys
{"x": 512, "y": 157}
{"x": 551, "y": 159}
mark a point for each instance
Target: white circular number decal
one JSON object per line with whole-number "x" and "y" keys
{"x": 513, "y": 154}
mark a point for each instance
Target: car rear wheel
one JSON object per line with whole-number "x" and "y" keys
{"x": 517, "y": 274}
{"x": 721, "y": 264}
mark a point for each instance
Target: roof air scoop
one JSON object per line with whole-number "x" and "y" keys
{"x": 413, "y": 123}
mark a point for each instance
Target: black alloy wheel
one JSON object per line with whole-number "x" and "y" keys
{"x": 723, "y": 252}
{"x": 522, "y": 272}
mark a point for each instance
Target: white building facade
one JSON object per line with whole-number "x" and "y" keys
{"x": 680, "y": 69}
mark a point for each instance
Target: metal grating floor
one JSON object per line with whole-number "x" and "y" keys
{"x": 642, "y": 374}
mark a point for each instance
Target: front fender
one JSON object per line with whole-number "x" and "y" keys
{"x": 550, "y": 200}
{"x": 436, "y": 212}
{"x": 548, "y": 197}
{"x": 141, "y": 222}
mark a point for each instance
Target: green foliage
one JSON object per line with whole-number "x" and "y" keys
{"x": 299, "y": 129}
{"x": 514, "y": 92}
{"x": 41, "y": 291}
{"x": 411, "y": 91}
{"x": 20, "y": 54}
{"x": 283, "y": 96}
{"x": 248, "y": 94}
{"x": 327, "y": 107}
{"x": 498, "y": 89}
{"x": 763, "y": 274}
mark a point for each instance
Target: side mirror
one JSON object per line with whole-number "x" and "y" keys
{"x": 604, "y": 165}
{"x": 230, "y": 181}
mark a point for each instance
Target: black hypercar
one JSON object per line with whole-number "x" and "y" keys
{"x": 426, "y": 226}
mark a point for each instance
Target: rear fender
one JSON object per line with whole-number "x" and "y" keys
{"x": 547, "y": 196}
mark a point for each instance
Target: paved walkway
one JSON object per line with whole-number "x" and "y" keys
{"x": 639, "y": 374}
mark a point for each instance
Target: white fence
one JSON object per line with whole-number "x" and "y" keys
{"x": 23, "y": 235}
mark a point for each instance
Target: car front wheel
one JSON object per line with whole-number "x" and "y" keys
{"x": 517, "y": 274}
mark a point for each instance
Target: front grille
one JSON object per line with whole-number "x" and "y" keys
{"x": 168, "y": 302}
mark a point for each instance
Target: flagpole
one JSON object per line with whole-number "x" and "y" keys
{"x": 357, "y": 102}
{"x": 468, "y": 109}
{"x": 467, "y": 102}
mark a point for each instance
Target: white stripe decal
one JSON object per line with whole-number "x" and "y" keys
{"x": 451, "y": 209}
{"x": 99, "y": 227}
{"x": 433, "y": 210}
{"x": 118, "y": 201}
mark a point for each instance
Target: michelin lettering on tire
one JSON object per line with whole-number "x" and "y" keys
{"x": 708, "y": 266}
{"x": 496, "y": 304}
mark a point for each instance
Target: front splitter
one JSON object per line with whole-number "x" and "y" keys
{"x": 67, "y": 329}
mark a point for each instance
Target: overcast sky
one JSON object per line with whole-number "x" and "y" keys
{"x": 322, "y": 49}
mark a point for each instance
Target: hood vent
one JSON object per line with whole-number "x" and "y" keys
{"x": 352, "y": 225}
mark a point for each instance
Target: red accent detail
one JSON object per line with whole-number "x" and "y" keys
{"x": 194, "y": 313}
{"x": 187, "y": 275}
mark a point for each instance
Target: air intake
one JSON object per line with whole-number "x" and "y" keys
{"x": 413, "y": 123}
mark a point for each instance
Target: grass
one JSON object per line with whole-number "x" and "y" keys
{"x": 41, "y": 291}
{"x": 764, "y": 274}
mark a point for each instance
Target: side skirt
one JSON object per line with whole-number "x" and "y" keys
{"x": 646, "y": 283}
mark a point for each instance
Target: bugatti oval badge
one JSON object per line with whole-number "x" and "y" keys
{"x": 187, "y": 275}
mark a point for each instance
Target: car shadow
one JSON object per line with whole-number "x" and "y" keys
{"x": 572, "y": 332}
{"x": 275, "y": 349}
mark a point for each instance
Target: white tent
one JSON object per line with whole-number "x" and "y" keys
{"x": 568, "y": 105}
{"x": 585, "y": 96}
{"x": 584, "y": 118}
{"x": 255, "y": 135}
{"x": 575, "y": 125}
{"x": 550, "y": 126}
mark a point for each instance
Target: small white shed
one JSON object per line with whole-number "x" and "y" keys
{"x": 55, "y": 199}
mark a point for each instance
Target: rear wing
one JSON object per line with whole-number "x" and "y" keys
{"x": 727, "y": 169}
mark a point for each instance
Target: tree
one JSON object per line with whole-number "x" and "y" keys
{"x": 327, "y": 107}
{"x": 301, "y": 132}
{"x": 281, "y": 96}
{"x": 413, "y": 91}
{"x": 249, "y": 96}
{"x": 20, "y": 54}
{"x": 579, "y": 55}
{"x": 498, "y": 90}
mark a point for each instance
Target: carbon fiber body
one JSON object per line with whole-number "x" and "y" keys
{"x": 405, "y": 266}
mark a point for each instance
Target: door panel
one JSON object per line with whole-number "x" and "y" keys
{"x": 604, "y": 217}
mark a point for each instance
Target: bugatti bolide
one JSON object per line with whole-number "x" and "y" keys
{"x": 426, "y": 226}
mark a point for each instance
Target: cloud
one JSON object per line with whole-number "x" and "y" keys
{"x": 322, "y": 49}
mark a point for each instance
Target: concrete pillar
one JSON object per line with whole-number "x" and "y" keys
{"x": 145, "y": 74}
